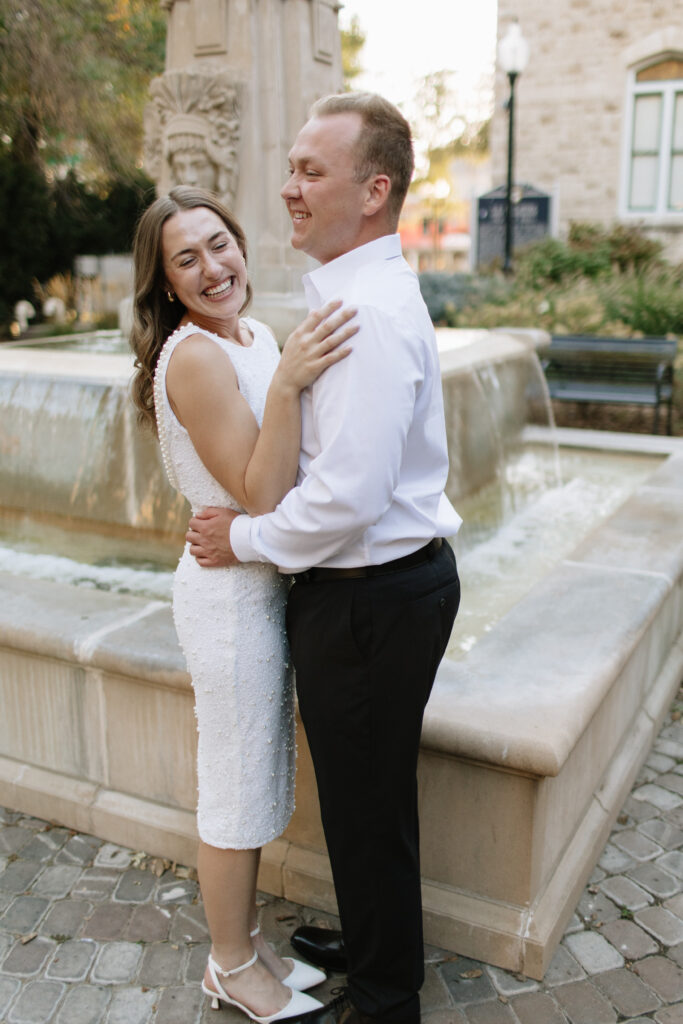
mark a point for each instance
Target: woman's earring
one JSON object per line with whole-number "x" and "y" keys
{"x": 171, "y": 296}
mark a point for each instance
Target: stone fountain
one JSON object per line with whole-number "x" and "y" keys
{"x": 532, "y": 736}
{"x": 536, "y": 728}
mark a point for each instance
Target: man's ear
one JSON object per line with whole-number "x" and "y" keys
{"x": 379, "y": 187}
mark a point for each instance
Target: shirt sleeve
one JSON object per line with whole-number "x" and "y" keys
{"x": 362, "y": 411}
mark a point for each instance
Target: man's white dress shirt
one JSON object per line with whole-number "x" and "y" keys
{"x": 374, "y": 460}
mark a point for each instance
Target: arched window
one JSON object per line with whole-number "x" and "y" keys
{"x": 653, "y": 182}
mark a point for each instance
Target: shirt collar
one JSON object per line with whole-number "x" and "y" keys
{"x": 323, "y": 283}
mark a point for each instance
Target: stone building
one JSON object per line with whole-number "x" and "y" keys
{"x": 599, "y": 111}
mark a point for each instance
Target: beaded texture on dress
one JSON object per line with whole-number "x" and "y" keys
{"x": 230, "y": 623}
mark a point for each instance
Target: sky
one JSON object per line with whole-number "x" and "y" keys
{"x": 405, "y": 42}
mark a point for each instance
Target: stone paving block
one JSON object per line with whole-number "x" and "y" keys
{"x": 36, "y": 1002}
{"x": 79, "y": 849}
{"x": 189, "y": 925}
{"x": 135, "y": 886}
{"x": 675, "y": 904}
{"x": 674, "y": 817}
{"x": 597, "y": 875}
{"x": 199, "y": 954}
{"x": 5, "y": 897}
{"x": 56, "y": 880}
{"x": 655, "y": 879}
{"x": 111, "y": 856}
{"x": 537, "y": 1008}
{"x": 45, "y": 845}
{"x": 640, "y": 810}
{"x": 96, "y": 883}
{"x": 8, "y": 990}
{"x": 668, "y": 747}
{"x": 673, "y": 863}
{"x": 636, "y": 845}
{"x": 631, "y": 941}
{"x": 665, "y": 926}
{"x": 584, "y": 1003}
{"x": 593, "y": 952}
{"x": 660, "y": 762}
{"x": 489, "y": 1013}
{"x": 662, "y": 975}
{"x": 663, "y": 832}
{"x": 562, "y": 969}
{"x": 72, "y": 960}
{"x": 6, "y": 943}
{"x": 8, "y": 817}
{"x": 108, "y": 922}
{"x": 66, "y": 918}
{"x": 675, "y": 953}
{"x": 476, "y": 988}
{"x": 596, "y": 906}
{"x": 670, "y": 1015}
{"x": 23, "y": 914}
{"x": 84, "y": 1004}
{"x": 12, "y": 839}
{"x": 646, "y": 774}
{"x": 672, "y": 781}
{"x": 575, "y": 925}
{"x": 179, "y": 1005}
{"x": 627, "y": 992}
{"x": 433, "y": 993}
{"x": 27, "y": 959}
{"x": 116, "y": 963}
{"x": 35, "y": 824}
{"x": 133, "y": 1006}
{"x": 508, "y": 984}
{"x": 149, "y": 923}
{"x": 179, "y": 890}
{"x": 162, "y": 964}
{"x": 613, "y": 860}
{"x": 626, "y": 893}
{"x": 661, "y": 798}
{"x": 19, "y": 875}
{"x": 451, "y": 1016}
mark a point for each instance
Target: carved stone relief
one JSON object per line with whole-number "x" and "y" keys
{"x": 192, "y": 132}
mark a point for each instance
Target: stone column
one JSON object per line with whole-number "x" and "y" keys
{"x": 240, "y": 77}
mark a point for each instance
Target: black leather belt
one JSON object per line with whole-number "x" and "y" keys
{"x": 360, "y": 572}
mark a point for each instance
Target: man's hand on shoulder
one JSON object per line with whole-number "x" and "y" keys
{"x": 208, "y": 534}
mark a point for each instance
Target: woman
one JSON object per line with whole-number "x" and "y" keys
{"x": 227, "y": 411}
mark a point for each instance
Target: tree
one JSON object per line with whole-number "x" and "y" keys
{"x": 73, "y": 81}
{"x": 352, "y": 42}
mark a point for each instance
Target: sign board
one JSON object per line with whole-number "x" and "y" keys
{"x": 531, "y": 221}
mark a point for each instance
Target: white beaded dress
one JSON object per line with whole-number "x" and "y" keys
{"x": 230, "y": 623}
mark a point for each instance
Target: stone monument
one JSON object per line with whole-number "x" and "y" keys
{"x": 240, "y": 77}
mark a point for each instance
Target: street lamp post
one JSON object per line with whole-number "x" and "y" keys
{"x": 513, "y": 56}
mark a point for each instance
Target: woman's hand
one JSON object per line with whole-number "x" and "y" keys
{"x": 316, "y": 344}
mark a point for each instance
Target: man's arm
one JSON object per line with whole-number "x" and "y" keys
{"x": 363, "y": 409}
{"x": 208, "y": 534}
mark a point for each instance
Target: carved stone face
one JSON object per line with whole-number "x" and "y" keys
{"x": 193, "y": 167}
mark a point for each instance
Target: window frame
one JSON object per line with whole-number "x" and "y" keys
{"x": 668, "y": 89}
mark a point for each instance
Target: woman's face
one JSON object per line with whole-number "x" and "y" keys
{"x": 204, "y": 266}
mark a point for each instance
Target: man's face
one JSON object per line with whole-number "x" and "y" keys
{"x": 325, "y": 203}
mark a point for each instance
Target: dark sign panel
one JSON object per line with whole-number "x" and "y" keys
{"x": 530, "y": 221}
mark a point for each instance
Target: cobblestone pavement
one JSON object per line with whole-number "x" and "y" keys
{"x": 91, "y": 933}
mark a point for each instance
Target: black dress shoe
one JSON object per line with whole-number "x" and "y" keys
{"x": 323, "y": 947}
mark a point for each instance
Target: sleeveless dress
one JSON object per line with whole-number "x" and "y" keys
{"x": 230, "y": 623}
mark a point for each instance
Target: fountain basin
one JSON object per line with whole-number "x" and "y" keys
{"x": 530, "y": 742}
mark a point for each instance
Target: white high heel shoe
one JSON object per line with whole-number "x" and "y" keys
{"x": 302, "y": 976}
{"x": 298, "y": 1005}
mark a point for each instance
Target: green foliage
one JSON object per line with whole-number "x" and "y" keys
{"x": 74, "y": 76}
{"x": 45, "y": 226}
{"x": 610, "y": 281}
{"x": 352, "y": 42}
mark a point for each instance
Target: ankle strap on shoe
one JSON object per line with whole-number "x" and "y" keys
{"x": 213, "y": 966}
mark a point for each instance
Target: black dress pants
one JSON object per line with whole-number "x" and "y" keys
{"x": 366, "y": 652}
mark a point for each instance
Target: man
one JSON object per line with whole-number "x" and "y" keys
{"x": 375, "y": 588}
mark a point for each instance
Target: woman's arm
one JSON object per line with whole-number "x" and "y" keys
{"x": 256, "y": 467}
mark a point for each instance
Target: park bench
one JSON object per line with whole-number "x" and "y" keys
{"x": 623, "y": 371}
